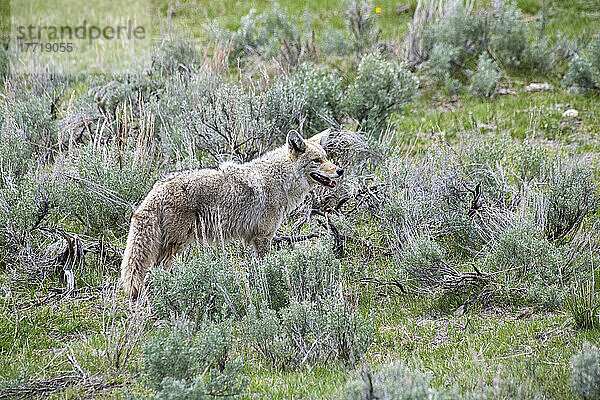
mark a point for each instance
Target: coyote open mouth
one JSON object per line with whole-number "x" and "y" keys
{"x": 323, "y": 180}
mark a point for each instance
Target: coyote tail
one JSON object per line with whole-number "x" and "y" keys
{"x": 141, "y": 252}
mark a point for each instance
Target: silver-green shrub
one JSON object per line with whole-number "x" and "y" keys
{"x": 585, "y": 370}
{"x": 123, "y": 91}
{"x": 398, "y": 381}
{"x": 299, "y": 316}
{"x": 210, "y": 117}
{"x": 310, "y": 274}
{"x": 422, "y": 260}
{"x": 186, "y": 363}
{"x": 580, "y": 74}
{"x": 361, "y": 34}
{"x": 532, "y": 162}
{"x": 175, "y": 56}
{"x": 511, "y": 387}
{"x": 267, "y": 35}
{"x": 204, "y": 287}
{"x": 394, "y": 381}
{"x": 594, "y": 52}
{"x": 380, "y": 88}
{"x": 508, "y": 34}
{"x": 307, "y": 333}
{"x": 485, "y": 78}
{"x": 4, "y": 63}
{"x": 527, "y": 262}
{"x": 336, "y": 42}
{"x": 321, "y": 93}
{"x": 439, "y": 67}
{"x": 30, "y": 118}
{"x": 572, "y": 195}
{"x": 584, "y": 69}
{"x": 98, "y": 186}
{"x": 15, "y": 150}
{"x": 25, "y": 203}
{"x": 361, "y": 24}
{"x": 465, "y": 201}
{"x": 509, "y": 40}
{"x": 452, "y": 42}
{"x": 290, "y": 306}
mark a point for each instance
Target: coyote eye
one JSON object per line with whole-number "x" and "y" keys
{"x": 316, "y": 160}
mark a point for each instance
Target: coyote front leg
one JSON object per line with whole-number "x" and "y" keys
{"x": 262, "y": 246}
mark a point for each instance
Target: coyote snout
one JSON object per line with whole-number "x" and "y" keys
{"x": 325, "y": 173}
{"x": 235, "y": 201}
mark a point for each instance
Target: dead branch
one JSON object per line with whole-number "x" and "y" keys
{"x": 44, "y": 387}
{"x": 392, "y": 284}
{"x": 298, "y": 238}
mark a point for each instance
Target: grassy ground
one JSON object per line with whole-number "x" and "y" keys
{"x": 524, "y": 115}
{"x": 45, "y": 334}
{"x": 458, "y": 350}
{"x": 574, "y": 19}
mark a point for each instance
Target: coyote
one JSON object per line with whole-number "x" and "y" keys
{"x": 234, "y": 201}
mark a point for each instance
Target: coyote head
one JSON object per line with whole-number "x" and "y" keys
{"x": 311, "y": 158}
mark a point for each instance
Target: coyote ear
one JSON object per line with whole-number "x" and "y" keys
{"x": 321, "y": 138}
{"x": 296, "y": 144}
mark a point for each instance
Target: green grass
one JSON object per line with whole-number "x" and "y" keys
{"x": 474, "y": 348}
{"x": 464, "y": 351}
{"x": 92, "y": 56}
{"x": 525, "y": 115}
{"x": 573, "y": 20}
{"x": 192, "y": 16}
